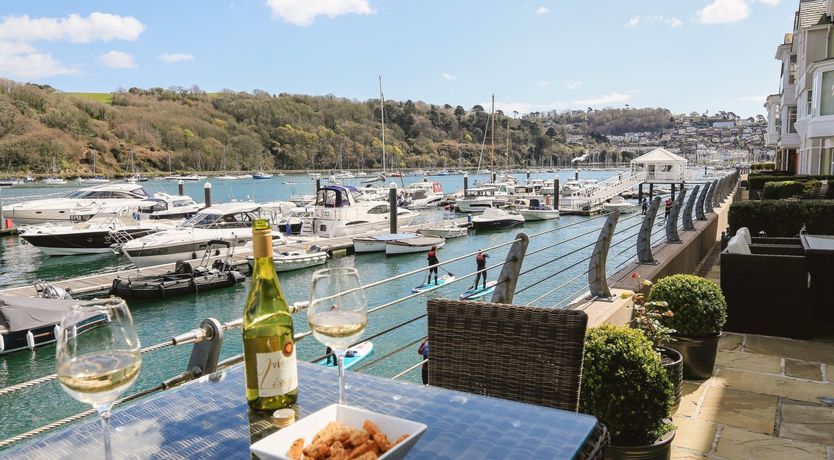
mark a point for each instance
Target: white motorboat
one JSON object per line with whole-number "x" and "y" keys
{"x": 295, "y": 260}
{"x": 411, "y": 245}
{"x": 244, "y": 176}
{"x": 444, "y": 231}
{"x": 376, "y": 243}
{"x": 338, "y": 213}
{"x": 494, "y": 218}
{"x": 60, "y": 209}
{"x": 229, "y": 222}
{"x": 424, "y": 195}
{"x": 54, "y": 181}
{"x": 10, "y": 182}
{"x": 620, "y": 204}
{"x": 538, "y": 211}
{"x": 477, "y": 199}
{"x": 262, "y": 175}
{"x": 290, "y": 221}
{"x": 226, "y": 177}
{"x": 161, "y": 207}
{"x": 93, "y": 180}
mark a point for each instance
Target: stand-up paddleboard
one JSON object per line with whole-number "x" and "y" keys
{"x": 479, "y": 292}
{"x": 429, "y": 285}
{"x": 353, "y": 355}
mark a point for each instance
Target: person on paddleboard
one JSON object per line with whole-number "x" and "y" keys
{"x": 432, "y": 258}
{"x": 424, "y": 351}
{"x": 480, "y": 260}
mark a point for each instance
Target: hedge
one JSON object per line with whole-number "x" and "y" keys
{"x": 758, "y": 166}
{"x": 783, "y": 189}
{"x": 756, "y": 183}
{"x": 783, "y": 217}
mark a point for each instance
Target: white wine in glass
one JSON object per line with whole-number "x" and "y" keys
{"x": 337, "y": 313}
{"x": 96, "y": 367}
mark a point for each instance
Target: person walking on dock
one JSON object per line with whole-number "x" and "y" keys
{"x": 668, "y": 207}
{"x": 424, "y": 351}
{"x": 480, "y": 260}
{"x": 645, "y": 207}
{"x": 432, "y": 258}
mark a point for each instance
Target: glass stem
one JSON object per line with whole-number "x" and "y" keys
{"x": 340, "y": 359}
{"x": 104, "y": 413}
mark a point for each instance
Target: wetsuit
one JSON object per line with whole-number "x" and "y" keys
{"x": 432, "y": 258}
{"x": 480, "y": 259}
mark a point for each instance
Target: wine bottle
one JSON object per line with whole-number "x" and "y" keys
{"x": 268, "y": 347}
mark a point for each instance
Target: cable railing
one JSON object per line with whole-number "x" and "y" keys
{"x": 204, "y": 333}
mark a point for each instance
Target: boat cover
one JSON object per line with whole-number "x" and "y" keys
{"x": 24, "y": 313}
{"x": 421, "y": 241}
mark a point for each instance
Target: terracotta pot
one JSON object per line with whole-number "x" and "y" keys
{"x": 660, "y": 450}
{"x": 698, "y": 355}
{"x": 674, "y": 370}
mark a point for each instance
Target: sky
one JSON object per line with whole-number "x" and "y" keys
{"x": 683, "y": 55}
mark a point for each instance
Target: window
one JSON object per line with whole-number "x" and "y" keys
{"x": 381, "y": 209}
{"x": 827, "y": 93}
{"x": 791, "y": 119}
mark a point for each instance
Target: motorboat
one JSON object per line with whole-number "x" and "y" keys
{"x": 184, "y": 279}
{"x": 538, "y": 211}
{"x": 478, "y": 199}
{"x": 376, "y": 243}
{"x": 92, "y": 236}
{"x": 494, "y": 218}
{"x": 93, "y": 180}
{"x": 337, "y": 212}
{"x": 244, "y": 176}
{"x": 230, "y": 222}
{"x": 53, "y": 181}
{"x": 10, "y": 182}
{"x": 424, "y": 195}
{"x": 290, "y": 222}
{"x": 226, "y": 177}
{"x": 60, "y": 209}
{"x": 619, "y": 203}
{"x": 286, "y": 261}
{"x": 262, "y": 175}
{"x": 161, "y": 207}
{"x": 186, "y": 177}
{"x": 412, "y": 245}
{"x": 446, "y": 231}
{"x": 303, "y": 200}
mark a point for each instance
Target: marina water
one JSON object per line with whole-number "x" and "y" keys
{"x": 157, "y": 321}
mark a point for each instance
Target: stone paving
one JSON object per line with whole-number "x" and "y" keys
{"x": 761, "y": 403}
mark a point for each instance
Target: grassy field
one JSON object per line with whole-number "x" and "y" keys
{"x": 104, "y": 98}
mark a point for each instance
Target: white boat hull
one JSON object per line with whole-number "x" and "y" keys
{"x": 444, "y": 232}
{"x": 368, "y": 245}
{"x": 623, "y": 208}
{"x": 537, "y": 214}
{"x": 410, "y": 247}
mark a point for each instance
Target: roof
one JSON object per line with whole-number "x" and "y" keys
{"x": 659, "y": 155}
{"x": 231, "y": 208}
{"x": 809, "y": 13}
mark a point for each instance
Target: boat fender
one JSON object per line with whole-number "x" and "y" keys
{"x": 56, "y": 331}
{"x": 547, "y": 200}
{"x": 30, "y": 340}
{"x": 2, "y": 344}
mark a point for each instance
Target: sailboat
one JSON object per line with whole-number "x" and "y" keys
{"x": 95, "y": 179}
{"x": 54, "y": 180}
{"x": 225, "y": 175}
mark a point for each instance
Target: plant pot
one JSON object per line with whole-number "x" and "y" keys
{"x": 698, "y": 354}
{"x": 674, "y": 370}
{"x": 660, "y": 450}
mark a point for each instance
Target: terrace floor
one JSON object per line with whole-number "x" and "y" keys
{"x": 763, "y": 400}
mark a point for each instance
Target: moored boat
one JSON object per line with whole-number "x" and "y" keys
{"x": 376, "y": 243}
{"x": 444, "y": 231}
{"x": 619, "y": 203}
{"x": 295, "y": 260}
{"x": 412, "y": 245}
{"x": 538, "y": 211}
{"x": 493, "y": 218}
{"x": 31, "y": 322}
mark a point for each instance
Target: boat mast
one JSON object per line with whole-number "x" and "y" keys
{"x": 507, "y": 161}
{"x": 382, "y": 120}
{"x": 492, "y": 135}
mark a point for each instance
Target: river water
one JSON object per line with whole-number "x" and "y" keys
{"x": 158, "y": 321}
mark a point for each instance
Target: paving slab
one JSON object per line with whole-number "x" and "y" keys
{"x": 739, "y": 444}
{"x": 803, "y": 421}
{"x": 768, "y": 384}
{"x": 693, "y": 434}
{"x": 803, "y": 350}
{"x": 690, "y": 395}
{"x": 743, "y": 409}
{"x": 802, "y": 369}
{"x": 680, "y": 454}
{"x": 730, "y": 341}
{"x": 749, "y": 361}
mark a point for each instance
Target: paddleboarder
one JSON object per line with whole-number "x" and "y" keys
{"x": 432, "y": 258}
{"x": 480, "y": 260}
{"x": 424, "y": 351}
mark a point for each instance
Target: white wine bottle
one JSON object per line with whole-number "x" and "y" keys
{"x": 268, "y": 348}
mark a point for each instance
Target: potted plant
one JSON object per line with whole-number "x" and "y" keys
{"x": 646, "y": 316}
{"x": 625, "y": 387}
{"x": 698, "y": 314}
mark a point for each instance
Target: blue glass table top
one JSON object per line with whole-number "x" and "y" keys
{"x": 209, "y": 418}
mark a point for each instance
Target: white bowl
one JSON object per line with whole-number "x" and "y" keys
{"x": 276, "y": 445}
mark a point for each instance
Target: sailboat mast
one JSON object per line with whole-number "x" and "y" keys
{"x": 382, "y": 120}
{"x": 492, "y": 135}
{"x": 507, "y": 164}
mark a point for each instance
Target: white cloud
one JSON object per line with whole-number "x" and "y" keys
{"x": 117, "y": 60}
{"x": 633, "y": 21}
{"x": 304, "y": 12}
{"x": 542, "y": 83}
{"x": 572, "y": 84}
{"x": 611, "y": 98}
{"x": 673, "y": 22}
{"x": 447, "y": 76}
{"x": 74, "y": 28}
{"x": 724, "y": 11}
{"x": 770, "y": 2}
{"x": 21, "y": 61}
{"x": 752, "y": 98}
{"x": 171, "y": 58}
{"x": 542, "y": 11}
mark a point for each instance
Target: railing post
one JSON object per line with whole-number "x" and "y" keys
{"x": 508, "y": 279}
{"x": 644, "y": 236}
{"x": 672, "y": 219}
{"x": 687, "y": 210}
{"x": 699, "y": 205}
{"x": 597, "y": 277}
{"x": 392, "y": 207}
{"x": 708, "y": 205}
{"x": 206, "y": 351}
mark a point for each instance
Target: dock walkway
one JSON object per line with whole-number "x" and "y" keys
{"x": 102, "y": 282}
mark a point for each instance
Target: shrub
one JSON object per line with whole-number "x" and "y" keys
{"x": 761, "y": 166}
{"x": 782, "y": 217}
{"x": 757, "y": 182}
{"x": 624, "y": 385}
{"x": 697, "y": 304}
{"x": 783, "y": 189}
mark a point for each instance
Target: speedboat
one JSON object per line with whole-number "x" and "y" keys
{"x": 230, "y": 222}
{"x": 290, "y": 222}
{"x": 478, "y": 199}
{"x": 161, "y": 207}
{"x": 444, "y": 231}
{"x": 424, "y": 195}
{"x": 295, "y": 260}
{"x": 10, "y": 182}
{"x": 497, "y": 218}
{"x": 262, "y": 175}
{"x": 538, "y": 211}
{"x": 59, "y": 209}
{"x": 376, "y": 243}
{"x": 338, "y": 213}
{"x": 411, "y": 245}
{"x": 619, "y": 203}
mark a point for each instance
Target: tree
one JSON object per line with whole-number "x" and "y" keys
{"x": 459, "y": 112}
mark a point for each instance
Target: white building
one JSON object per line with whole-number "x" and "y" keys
{"x": 661, "y": 166}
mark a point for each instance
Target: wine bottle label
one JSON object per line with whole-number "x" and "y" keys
{"x": 277, "y": 372}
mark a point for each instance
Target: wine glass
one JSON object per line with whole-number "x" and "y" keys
{"x": 98, "y": 355}
{"x": 337, "y": 313}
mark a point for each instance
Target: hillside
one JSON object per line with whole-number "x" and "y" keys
{"x": 181, "y": 129}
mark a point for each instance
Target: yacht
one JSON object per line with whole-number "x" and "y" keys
{"x": 424, "y": 195}
{"x": 477, "y": 199}
{"x": 337, "y": 212}
{"x": 60, "y": 209}
{"x": 161, "y": 207}
{"x": 620, "y": 204}
{"x": 494, "y": 218}
{"x": 230, "y": 222}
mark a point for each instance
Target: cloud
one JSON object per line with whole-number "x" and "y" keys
{"x": 673, "y": 22}
{"x": 304, "y": 12}
{"x": 572, "y": 84}
{"x": 542, "y": 83}
{"x": 752, "y": 98}
{"x": 770, "y": 2}
{"x": 74, "y": 28}
{"x": 175, "y": 57}
{"x": 447, "y": 76}
{"x": 542, "y": 10}
{"x": 611, "y": 98}
{"x": 633, "y": 21}
{"x": 21, "y": 61}
{"x": 725, "y": 11}
{"x": 117, "y": 60}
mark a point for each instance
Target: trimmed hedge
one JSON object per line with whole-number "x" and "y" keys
{"x": 783, "y": 189}
{"x": 697, "y": 304}
{"x": 760, "y": 166}
{"x": 757, "y": 182}
{"x": 783, "y": 217}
